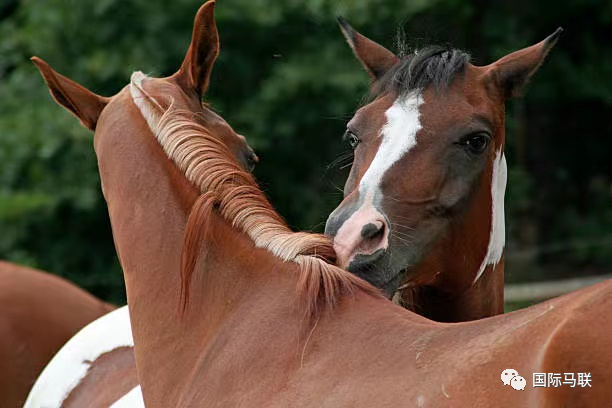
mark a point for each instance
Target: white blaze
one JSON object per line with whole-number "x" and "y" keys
{"x": 398, "y": 137}
{"x": 497, "y": 237}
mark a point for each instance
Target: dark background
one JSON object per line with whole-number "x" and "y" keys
{"x": 287, "y": 80}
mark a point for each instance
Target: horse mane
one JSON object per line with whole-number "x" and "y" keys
{"x": 434, "y": 65}
{"x": 233, "y": 192}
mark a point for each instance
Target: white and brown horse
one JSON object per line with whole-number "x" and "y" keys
{"x": 230, "y": 308}
{"x": 424, "y": 203}
{"x": 39, "y": 313}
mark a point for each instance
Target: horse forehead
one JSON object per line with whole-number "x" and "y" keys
{"x": 398, "y": 137}
{"x": 475, "y": 90}
{"x": 460, "y": 104}
{"x": 442, "y": 110}
{"x": 373, "y": 114}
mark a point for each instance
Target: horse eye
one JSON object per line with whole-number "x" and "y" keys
{"x": 252, "y": 160}
{"x": 352, "y": 139}
{"x": 476, "y": 143}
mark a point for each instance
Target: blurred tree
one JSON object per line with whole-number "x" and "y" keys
{"x": 287, "y": 80}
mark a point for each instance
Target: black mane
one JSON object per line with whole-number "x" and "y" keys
{"x": 435, "y": 65}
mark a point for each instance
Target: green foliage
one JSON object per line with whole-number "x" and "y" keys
{"x": 287, "y": 81}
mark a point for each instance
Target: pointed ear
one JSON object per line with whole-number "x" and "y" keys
{"x": 375, "y": 58}
{"x": 512, "y": 72}
{"x": 81, "y": 102}
{"x": 194, "y": 74}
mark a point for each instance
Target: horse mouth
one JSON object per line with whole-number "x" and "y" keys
{"x": 387, "y": 284}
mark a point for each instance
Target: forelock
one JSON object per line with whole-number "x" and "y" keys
{"x": 432, "y": 66}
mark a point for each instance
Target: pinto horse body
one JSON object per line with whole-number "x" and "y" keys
{"x": 230, "y": 308}
{"x": 39, "y": 312}
{"x": 99, "y": 355}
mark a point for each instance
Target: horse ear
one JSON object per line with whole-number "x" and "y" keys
{"x": 375, "y": 58}
{"x": 197, "y": 66}
{"x": 512, "y": 72}
{"x": 81, "y": 102}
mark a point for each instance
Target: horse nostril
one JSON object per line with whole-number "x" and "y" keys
{"x": 372, "y": 230}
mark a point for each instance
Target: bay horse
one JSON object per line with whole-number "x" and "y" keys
{"x": 230, "y": 308}
{"x": 39, "y": 312}
{"x": 423, "y": 208}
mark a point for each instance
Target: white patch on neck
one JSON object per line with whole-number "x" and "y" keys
{"x": 497, "y": 238}
{"x": 398, "y": 137}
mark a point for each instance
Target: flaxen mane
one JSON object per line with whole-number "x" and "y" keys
{"x": 225, "y": 187}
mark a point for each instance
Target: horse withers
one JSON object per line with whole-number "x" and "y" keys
{"x": 423, "y": 213}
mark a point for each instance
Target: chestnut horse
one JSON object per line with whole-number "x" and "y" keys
{"x": 39, "y": 312}
{"x": 230, "y": 308}
{"x": 423, "y": 211}
{"x": 96, "y": 367}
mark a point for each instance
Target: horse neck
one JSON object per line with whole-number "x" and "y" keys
{"x": 485, "y": 298}
{"x": 464, "y": 270}
{"x": 149, "y": 201}
{"x": 242, "y": 299}
{"x": 262, "y": 341}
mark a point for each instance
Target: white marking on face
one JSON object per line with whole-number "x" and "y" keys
{"x": 132, "y": 399}
{"x": 70, "y": 365}
{"x": 398, "y": 137}
{"x": 497, "y": 237}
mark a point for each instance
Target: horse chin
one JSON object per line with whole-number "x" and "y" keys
{"x": 378, "y": 273}
{"x": 391, "y": 287}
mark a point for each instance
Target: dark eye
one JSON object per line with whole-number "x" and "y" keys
{"x": 251, "y": 160}
{"x": 476, "y": 143}
{"x": 351, "y": 138}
